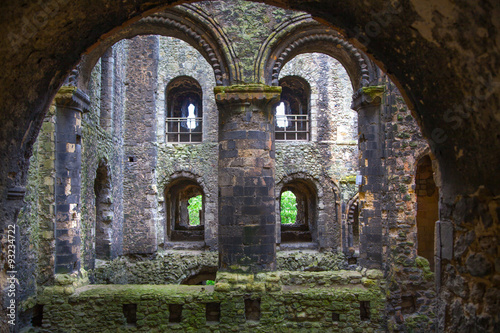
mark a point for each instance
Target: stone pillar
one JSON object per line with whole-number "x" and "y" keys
{"x": 139, "y": 134}
{"x": 107, "y": 90}
{"x": 70, "y": 102}
{"x": 367, "y": 102}
{"x": 247, "y": 237}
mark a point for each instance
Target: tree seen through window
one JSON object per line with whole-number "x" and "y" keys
{"x": 194, "y": 208}
{"x": 288, "y": 207}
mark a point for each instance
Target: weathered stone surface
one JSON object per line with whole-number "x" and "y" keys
{"x": 305, "y": 307}
{"x": 478, "y": 265}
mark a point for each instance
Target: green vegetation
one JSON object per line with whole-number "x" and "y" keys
{"x": 194, "y": 207}
{"x": 210, "y": 283}
{"x": 288, "y": 207}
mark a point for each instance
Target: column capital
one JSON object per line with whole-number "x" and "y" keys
{"x": 367, "y": 96}
{"x": 254, "y": 93}
{"x": 72, "y": 97}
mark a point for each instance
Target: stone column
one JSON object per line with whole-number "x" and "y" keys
{"x": 247, "y": 237}
{"x": 139, "y": 139}
{"x": 107, "y": 90}
{"x": 367, "y": 102}
{"x": 70, "y": 103}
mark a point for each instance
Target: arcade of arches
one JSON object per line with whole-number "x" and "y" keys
{"x": 146, "y": 151}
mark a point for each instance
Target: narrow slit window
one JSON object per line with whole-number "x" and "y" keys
{"x": 37, "y": 318}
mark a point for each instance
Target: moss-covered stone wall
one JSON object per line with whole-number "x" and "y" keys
{"x": 345, "y": 301}
{"x": 174, "y": 267}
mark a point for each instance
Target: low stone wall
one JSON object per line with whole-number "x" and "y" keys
{"x": 341, "y": 301}
{"x": 310, "y": 261}
{"x": 173, "y": 267}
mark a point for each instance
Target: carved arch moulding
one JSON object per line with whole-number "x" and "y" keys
{"x": 182, "y": 22}
{"x": 302, "y": 34}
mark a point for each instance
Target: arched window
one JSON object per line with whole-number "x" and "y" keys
{"x": 427, "y": 209}
{"x": 292, "y": 111}
{"x": 184, "y": 121}
{"x": 298, "y": 212}
{"x": 103, "y": 213}
{"x": 185, "y": 211}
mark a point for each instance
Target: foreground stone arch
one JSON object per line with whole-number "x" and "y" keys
{"x": 447, "y": 71}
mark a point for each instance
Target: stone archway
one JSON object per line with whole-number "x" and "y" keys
{"x": 37, "y": 56}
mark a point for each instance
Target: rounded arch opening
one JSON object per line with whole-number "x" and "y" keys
{"x": 304, "y": 226}
{"x": 204, "y": 276}
{"x": 184, "y": 110}
{"x": 309, "y": 36}
{"x": 185, "y": 208}
{"x": 352, "y": 230}
{"x": 292, "y": 111}
{"x": 183, "y": 22}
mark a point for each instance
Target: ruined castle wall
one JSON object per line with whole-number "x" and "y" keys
{"x": 411, "y": 288}
{"x": 329, "y": 159}
{"x": 35, "y": 236}
{"x": 140, "y": 206}
{"x": 104, "y": 146}
{"x": 279, "y": 301}
{"x": 198, "y": 161}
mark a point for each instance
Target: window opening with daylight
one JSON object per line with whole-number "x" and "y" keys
{"x": 184, "y": 209}
{"x": 184, "y": 110}
{"x": 194, "y": 209}
{"x": 292, "y": 112}
{"x": 298, "y": 212}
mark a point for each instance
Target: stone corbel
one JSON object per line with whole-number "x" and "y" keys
{"x": 367, "y": 96}
{"x": 259, "y": 95}
{"x": 73, "y": 98}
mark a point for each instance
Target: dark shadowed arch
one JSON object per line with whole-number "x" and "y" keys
{"x": 447, "y": 69}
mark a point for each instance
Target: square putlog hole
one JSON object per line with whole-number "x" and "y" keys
{"x": 213, "y": 312}
{"x": 252, "y": 309}
{"x": 364, "y": 310}
{"x": 175, "y": 313}
{"x": 37, "y": 318}
{"x": 130, "y": 313}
